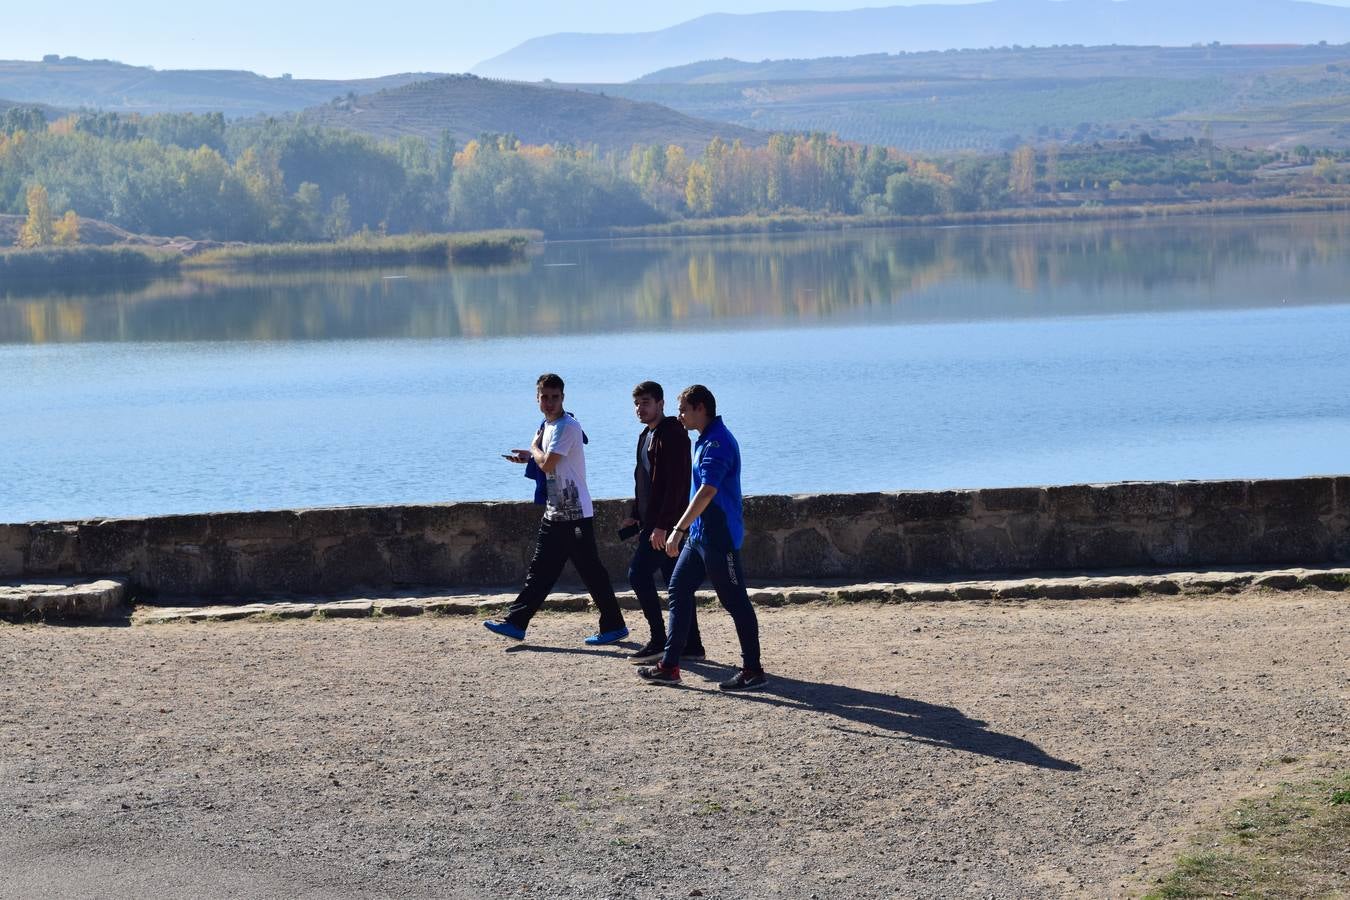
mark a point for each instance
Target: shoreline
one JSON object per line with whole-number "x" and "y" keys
{"x": 495, "y": 247}
{"x": 738, "y": 225}
{"x": 477, "y": 248}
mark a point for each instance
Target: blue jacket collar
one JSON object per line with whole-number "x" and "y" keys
{"x": 713, "y": 428}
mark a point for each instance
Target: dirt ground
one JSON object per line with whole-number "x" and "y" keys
{"x": 1035, "y": 749}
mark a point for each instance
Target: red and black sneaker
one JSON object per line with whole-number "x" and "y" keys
{"x": 659, "y": 674}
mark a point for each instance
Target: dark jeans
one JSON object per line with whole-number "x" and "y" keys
{"x": 556, "y": 544}
{"x": 642, "y": 569}
{"x": 723, "y": 569}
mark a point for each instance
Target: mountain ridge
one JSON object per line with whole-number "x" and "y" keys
{"x": 70, "y": 82}
{"x": 797, "y": 34}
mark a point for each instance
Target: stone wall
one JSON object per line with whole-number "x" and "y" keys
{"x": 894, "y": 536}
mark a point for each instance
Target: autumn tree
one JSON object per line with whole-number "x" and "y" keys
{"x": 37, "y": 230}
{"x": 698, "y": 189}
{"x": 1022, "y": 178}
{"x": 67, "y": 228}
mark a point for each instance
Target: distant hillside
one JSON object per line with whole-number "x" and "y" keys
{"x": 101, "y": 84}
{"x": 1103, "y": 61}
{"x": 997, "y": 23}
{"x": 1277, "y": 97}
{"x": 537, "y": 114}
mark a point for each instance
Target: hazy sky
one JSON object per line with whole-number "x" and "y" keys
{"x": 339, "y": 38}
{"x": 336, "y": 38}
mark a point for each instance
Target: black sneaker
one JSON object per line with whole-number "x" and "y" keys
{"x": 745, "y": 680}
{"x": 659, "y": 674}
{"x": 696, "y": 653}
{"x": 650, "y": 651}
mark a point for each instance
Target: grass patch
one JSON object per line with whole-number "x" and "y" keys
{"x": 84, "y": 262}
{"x": 470, "y": 248}
{"x": 1295, "y": 843}
{"x": 477, "y": 248}
{"x": 709, "y": 808}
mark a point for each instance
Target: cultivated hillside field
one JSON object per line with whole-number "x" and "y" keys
{"x": 468, "y": 107}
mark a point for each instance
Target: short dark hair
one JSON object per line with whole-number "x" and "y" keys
{"x": 698, "y": 395}
{"x": 549, "y": 380}
{"x": 651, "y": 388}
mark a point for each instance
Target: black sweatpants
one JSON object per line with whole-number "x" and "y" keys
{"x": 559, "y": 541}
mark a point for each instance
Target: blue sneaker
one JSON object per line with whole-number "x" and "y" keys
{"x": 505, "y": 629}
{"x": 604, "y": 637}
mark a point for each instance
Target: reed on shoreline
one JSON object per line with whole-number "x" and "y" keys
{"x": 1015, "y": 216}
{"x": 82, "y": 262}
{"x": 469, "y": 248}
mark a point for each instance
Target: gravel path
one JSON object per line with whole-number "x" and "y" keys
{"x": 1048, "y": 748}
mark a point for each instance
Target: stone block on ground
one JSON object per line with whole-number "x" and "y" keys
{"x": 1110, "y": 589}
{"x": 1165, "y": 586}
{"x": 452, "y": 606}
{"x": 922, "y": 593}
{"x": 345, "y": 609}
{"x": 400, "y": 608}
{"x": 568, "y": 602}
{"x": 65, "y": 599}
{"x": 1277, "y": 581}
{"x": 1328, "y": 580}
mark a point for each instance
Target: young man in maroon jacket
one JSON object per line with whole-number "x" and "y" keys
{"x": 661, "y": 492}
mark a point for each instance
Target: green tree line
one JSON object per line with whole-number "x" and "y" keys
{"x": 271, "y": 180}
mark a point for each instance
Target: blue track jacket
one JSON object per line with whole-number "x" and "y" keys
{"x": 717, "y": 462}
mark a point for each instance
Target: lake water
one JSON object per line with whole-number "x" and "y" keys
{"x": 856, "y": 361}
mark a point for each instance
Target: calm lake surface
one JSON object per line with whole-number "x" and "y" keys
{"x": 859, "y": 361}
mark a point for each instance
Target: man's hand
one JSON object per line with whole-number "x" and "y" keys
{"x": 518, "y": 456}
{"x": 629, "y": 522}
{"x": 673, "y": 544}
{"x": 658, "y": 539}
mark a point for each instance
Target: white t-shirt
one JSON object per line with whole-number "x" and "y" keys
{"x": 568, "y": 497}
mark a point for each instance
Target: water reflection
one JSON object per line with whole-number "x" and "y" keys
{"x": 895, "y": 275}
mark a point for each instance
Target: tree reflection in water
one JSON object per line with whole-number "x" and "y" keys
{"x": 919, "y": 274}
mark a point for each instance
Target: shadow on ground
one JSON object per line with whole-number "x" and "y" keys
{"x": 900, "y": 717}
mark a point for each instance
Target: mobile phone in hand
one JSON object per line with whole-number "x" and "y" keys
{"x": 629, "y": 531}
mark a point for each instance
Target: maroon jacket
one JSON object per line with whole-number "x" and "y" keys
{"x": 670, "y": 476}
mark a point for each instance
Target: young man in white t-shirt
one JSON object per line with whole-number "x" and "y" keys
{"x": 568, "y": 527}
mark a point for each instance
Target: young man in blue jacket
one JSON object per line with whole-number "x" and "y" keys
{"x": 711, "y": 531}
